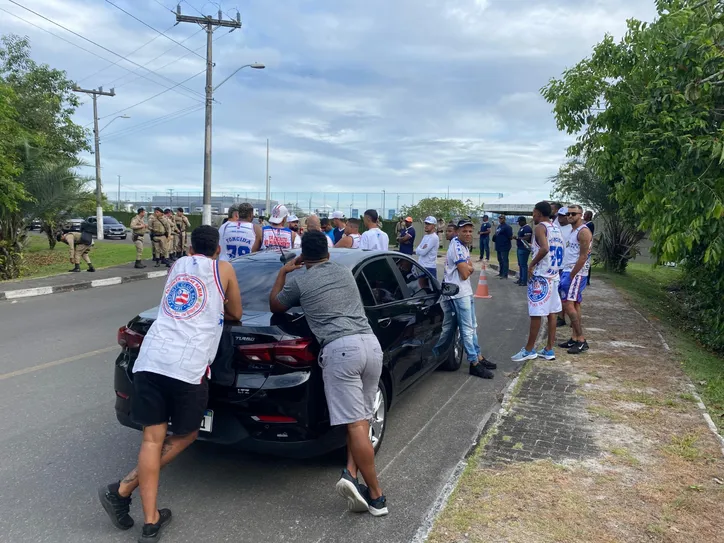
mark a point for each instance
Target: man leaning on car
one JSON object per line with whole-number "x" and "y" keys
{"x": 350, "y": 358}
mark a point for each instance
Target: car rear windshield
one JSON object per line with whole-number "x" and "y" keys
{"x": 256, "y": 279}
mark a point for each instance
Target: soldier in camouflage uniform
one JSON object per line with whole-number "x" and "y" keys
{"x": 173, "y": 234}
{"x": 80, "y": 246}
{"x": 182, "y": 225}
{"x": 139, "y": 229}
{"x": 159, "y": 235}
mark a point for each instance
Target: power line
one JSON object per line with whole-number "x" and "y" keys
{"x": 154, "y": 96}
{"x": 104, "y": 48}
{"x": 152, "y": 123}
{"x": 197, "y": 10}
{"x": 152, "y": 28}
{"x": 164, "y": 6}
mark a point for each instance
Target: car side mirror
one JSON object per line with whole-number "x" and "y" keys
{"x": 450, "y": 289}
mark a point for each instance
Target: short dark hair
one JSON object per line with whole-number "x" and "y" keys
{"x": 158, "y": 209}
{"x": 353, "y": 221}
{"x": 246, "y": 211}
{"x": 167, "y": 210}
{"x": 314, "y": 246}
{"x": 485, "y": 217}
{"x": 372, "y": 214}
{"x": 181, "y": 209}
{"x": 522, "y": 219}
{"x": 544, "y": 208}
{"x": 324, "y": 222}
{"x": 140, "y": 209}
{"x": 205, "y": 240}
{"x": 557, "y": 205}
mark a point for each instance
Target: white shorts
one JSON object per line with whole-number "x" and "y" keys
{"x": 543, "y": 297}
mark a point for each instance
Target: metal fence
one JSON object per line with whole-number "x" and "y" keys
{"x": 353, "y": 204}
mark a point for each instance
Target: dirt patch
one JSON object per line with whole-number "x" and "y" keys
{"x": 656, "y": 472}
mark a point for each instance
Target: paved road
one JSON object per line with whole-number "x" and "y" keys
{"x": 59, "y": 438}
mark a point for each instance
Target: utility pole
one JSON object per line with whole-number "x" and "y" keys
{"x": 99, "y": 193}
{"x": 209, "y": 24}
{"x": 170, "y": 197}
{"x": 268, "y": 183}
{"x": 384, "y": 193}
{"x": 119, "y": 193}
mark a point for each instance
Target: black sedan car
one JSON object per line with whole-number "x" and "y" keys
{"x": 111, "y": 227}
{"x": 266, "y": 392}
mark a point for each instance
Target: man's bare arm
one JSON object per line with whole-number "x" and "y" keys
{"x": 344, "y": 243}
{"x": 542, "y": 240}
{"x": 584, "y": 240}
{"x": 232, "y": 301}
{"x": 257, "y": 242}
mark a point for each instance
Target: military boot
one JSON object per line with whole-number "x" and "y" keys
{"x": 139, "y": 264}
{"x": 158, "y": 262}
{"x": 91, "y": 268}
{"x": 76, "y": 268}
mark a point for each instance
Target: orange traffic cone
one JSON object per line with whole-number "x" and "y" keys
{"x": 482, "y": 291}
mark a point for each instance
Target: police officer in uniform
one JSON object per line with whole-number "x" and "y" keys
{"x": 79, "y": 245}
{"x": 172, "y": 234}
{"x": 139, "y": 229}
{"x": 159, "y": 234}
{"x": 182, "y": 225}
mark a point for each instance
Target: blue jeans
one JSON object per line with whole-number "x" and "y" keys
{"x": 504, "y": 261}
{"x": 460, "y": 312}
{"x": 485, "y": 246}
{"x": 523, "y": 255}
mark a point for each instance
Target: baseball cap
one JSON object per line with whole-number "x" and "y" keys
{"x": 338, "y": 215}
{"x": 278, "y": 214}
{"x": 563, "y": 211}
{"x": 464, "y": 222}
{"x": 430, "y": 220}
{"x": 292, "y": 218}
{"x": 408, "y": 219}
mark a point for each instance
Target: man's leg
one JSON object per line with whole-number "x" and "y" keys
{"x": 499, "y": 254}
{"x": 535, "y": 323}
{"x": 577, "y": 307}
{"x": 149, "y": 468}
{"x": 506, "y": 263}
{"x": 551, "y": 331}
{"x": 467, "y": 332}
{"x": 486, "y": 242}
{"x": 363, "y": 455}
{"x": 570, "y": 308}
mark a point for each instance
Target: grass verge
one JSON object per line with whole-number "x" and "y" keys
{"x": 40, "y": 261}
{"x": 647, "y": 288}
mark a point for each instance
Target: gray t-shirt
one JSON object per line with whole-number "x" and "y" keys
{"x": 328, "y": 295}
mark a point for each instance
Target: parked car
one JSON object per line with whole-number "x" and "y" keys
{"x": 266, "y": 392}
{"x": 111, "y": 227}
{"x": 35, "y": 224}
{"x": 73, "y": 225}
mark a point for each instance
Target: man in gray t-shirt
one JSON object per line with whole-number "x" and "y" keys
{"x": 351, "y": 358}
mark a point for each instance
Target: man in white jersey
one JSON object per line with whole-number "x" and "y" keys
{"x": 374, "y": 238}
{"x": 352, "y": 237}
{"x": 293, "y": 223}
{"x": 170, "y": 376}
{"x": 576, "y": 263}
{"x": 543, "y": 299}
{"x": 277, "y": 235}
{"x": 458, "y": 269}
{"x": 427, "y": 250}
{"x": 239, "y": 236}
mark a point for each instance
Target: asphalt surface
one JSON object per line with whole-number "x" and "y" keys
{"x": 59, "y": 439}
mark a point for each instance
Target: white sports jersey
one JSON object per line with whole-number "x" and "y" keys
{"x": 275, "y": 238}
{"x": 183, "y": 340}
{"x": 356, "y": 239}
{"x": 236, "y": 238}
{"x": 374, "y": 239}
{"x": 573, "y": 251}
{"x": 298, "y": 241}
{"x": 457, "y": 253}
{"x": 552, "y": 262}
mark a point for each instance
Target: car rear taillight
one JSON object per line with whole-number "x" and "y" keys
{"x": 274, "y": 419}
{"x": 294, "y": 352}
{"x": 127, "y": 338}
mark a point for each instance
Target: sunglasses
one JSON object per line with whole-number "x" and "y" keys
{"x": 572, "y": 214}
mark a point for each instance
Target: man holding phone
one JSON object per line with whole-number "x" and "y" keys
{"x": 350, "y": 358}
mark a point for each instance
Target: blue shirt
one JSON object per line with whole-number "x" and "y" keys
{"x": 330, "y": 235}
{"x": 483, "y": 227}
{"x": 522, "y": 232}
{"x": 502, "y": 237}
{"x": 406, "y": 246}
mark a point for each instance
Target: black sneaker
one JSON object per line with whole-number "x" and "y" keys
{"x": 578, "y": 347}
{"x": 479, "y": 371}
{"x": 116, "y": 506}
{"x": 152, "y": 532}
{"x": 349, "y": 488}
{"x": 567, "y": 344}
{"x": 376, "y": 507}
{"x": 560, "y": 323}
{"x": 487, "y": 364}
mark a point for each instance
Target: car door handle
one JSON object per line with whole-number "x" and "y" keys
{"x": 384, "y": 323}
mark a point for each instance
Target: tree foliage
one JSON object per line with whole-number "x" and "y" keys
{"x": 648, "y": 113}
{"x": 441, "y": 208}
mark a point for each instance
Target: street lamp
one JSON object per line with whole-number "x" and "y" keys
{"x": 256, "y": 66}
{"x": 113, "y": 119}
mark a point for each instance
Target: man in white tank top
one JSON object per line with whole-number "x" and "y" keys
{"x": 170, "y": 376}
{"x": 293, "y": 223}
{"x": 351, "y": 237}
{"x": 239, "y": 236}
{"x": 543, "y": 299}
{"x": 576, "y": 264}
{"x": 277, "y": 235}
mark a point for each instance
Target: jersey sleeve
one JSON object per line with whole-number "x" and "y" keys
{"x": 459, "y": 253}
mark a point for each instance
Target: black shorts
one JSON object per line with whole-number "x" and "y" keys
{"x": 157, "y": 399}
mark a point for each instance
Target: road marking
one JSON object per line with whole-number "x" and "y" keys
{"x": 107, "y": 282}
{"x": 153, "y": 274}
{"x": 47, "y": 365}
{"x": 22, "y": 293}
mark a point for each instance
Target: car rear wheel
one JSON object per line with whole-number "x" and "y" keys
{"x": 379, "y": 417}
{"x": 455, "y": 358}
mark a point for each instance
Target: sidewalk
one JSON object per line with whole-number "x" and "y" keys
{"x": 611, "y": 445}
{"x": 78, "y": 281}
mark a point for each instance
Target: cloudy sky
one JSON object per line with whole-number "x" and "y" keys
{"x": 358, "y": 95}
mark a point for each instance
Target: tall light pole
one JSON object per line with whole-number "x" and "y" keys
{"x": 118, "y": 205}
{"x": 268, "y": 181}
{"x": 384, "y": 193}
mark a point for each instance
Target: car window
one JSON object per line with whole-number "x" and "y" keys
{"x": 256, "y": 279}
{"x": 110, "y": 220}
{"x": 382, "y": 281}
{"x": 417, "y": 279}
{"x": 364, "y": 291}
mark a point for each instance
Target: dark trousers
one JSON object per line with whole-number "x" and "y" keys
{"x": 523, "y": 255}
{"x": 504, "y": 261}
{"x": 485, "y": 246}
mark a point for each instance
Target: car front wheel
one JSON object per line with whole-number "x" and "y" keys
{"x": 455, "y": 358}
{"x": 379, "y": 416}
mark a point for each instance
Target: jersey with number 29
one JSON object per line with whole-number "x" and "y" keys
{"x": 553, "y": 261}
{"x": 236, "y": 238}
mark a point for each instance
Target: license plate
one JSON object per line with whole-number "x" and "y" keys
{"x": 208, "y": 421}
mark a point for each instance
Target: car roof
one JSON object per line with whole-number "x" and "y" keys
{"x": 346, "y": 257}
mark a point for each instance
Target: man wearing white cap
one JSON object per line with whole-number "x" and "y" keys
{"x": 277, "y": 235}
{"x": 427, "y": 250}
{"x": 293, "y": 222}
{"x": 340, "y": 224}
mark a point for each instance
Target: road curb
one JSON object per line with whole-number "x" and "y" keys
{"x": 496, "y": 267}
{"x": 80, "y": 285}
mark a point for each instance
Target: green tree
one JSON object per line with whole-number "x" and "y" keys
{"x": 441, "y": 208}
{"x": 648, "y": 113}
